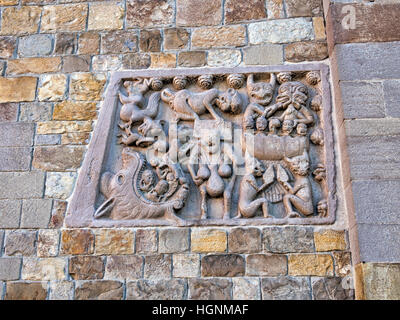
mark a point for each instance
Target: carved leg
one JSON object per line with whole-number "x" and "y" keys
{"x": 250, "y": 210}
{"x": 203, "y": 204}
{"x": 304, "y": 207}
{"x": 228, "y": 197}
{"x": 265, "y": 210}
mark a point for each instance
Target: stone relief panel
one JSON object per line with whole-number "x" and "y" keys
{"x": 241, "y": 146}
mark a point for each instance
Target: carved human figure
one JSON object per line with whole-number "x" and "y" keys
{"x": 287, "y": 127}
{"x": 301, "y": 129}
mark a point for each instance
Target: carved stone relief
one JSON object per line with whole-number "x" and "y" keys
{"x": 241, "y": 146}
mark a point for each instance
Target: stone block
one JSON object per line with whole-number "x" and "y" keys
{"x": 86, "y": 86}
{"x": 319, "y": 28}
{"x": 208, "y": 240}
{"x": 244, "y": 10}
{"x": 15, "y": 159}
{"x": 26, "y": 291}
{"x": 106, "y": 63}
{"x": 47, "y": 243}
{"x": 223, "y": 265}
{"x": 119, "y": 42}
{"x": 99, "y": 290}
{"x": 52, "y": 127}
{"x": 58, "y": 158}
{"x": 331, "y": 288}
{"x": 342, "y": 261}
{"x": 264, "y": 55}
{"x": 189, "y": 13}
{"x": 146, "y": 241}
{"x": 106, "y": 16}
{"x": 288, "y": 239}
{"x": 246, "y": 289}
{"x": 158, "y": 267}
{"x": 77, "y": 241}
{"x": 266, "y": 265}
{"x": 20, "y": 242}
{"x": 7, "y": 47}
{"x": 192, "y": 59}
{"x": 149, "y": 13}
{"x": 61, "y": 290}
{"x": 285, "y": 288}
{"x": 76, "y": 64}
{"x": 47, "y": 139}
{"x": 10, "y": 268}
{"x": 244, "y": 240}
{"x": 66, "y": 17}
{"x": 163, "y": 60}
{"x": 150, "y": 41}
{"x": 8, "y": 2}
{"x": 124, "y": 268}
{"x": 8, "y": 112}
{"x": 69, "y": 110}
{"x": 114, "y": 242}
{"x": 35, "y": 269}
{"x": 35, "y": 45}
{"x": 19, "y": 185}
{"x": 66, "y": 43}
{"x": 10, "y": 89}
{"x": 330, "y": 240}
{"x": 306, "y": 51}
{"x": 214, "y": 37}
{"x": 372, "y": 127}
{"x": 175, "y": 38}
{"x": 224, "y": 58}
{"x": 173, "y": 240}
{"x": 173, "y": 289}
{"x": 36, "y": 213}
{"x": 86, "y": 267}
{"x": 303, "y": 8}
{"x": 210, "y": 289}
{"x": 275, "y": 9}
{"x": 310, "y": 264}
{"x": 136, "y": 61}
{"x": 52, "y": 88}
{"x": 391, "y": 90}
{"x": 34, "y": 65}
{"x": 89, "y": 43}
{"x": 186, "y": 265}
{"x": 35, "y": 111}
{"x": 20, "y": 20}
{"x": 57, "y": 214}
{"x": 79, "y": 138}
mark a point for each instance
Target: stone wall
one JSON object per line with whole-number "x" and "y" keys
{"x": 56, "y": 60}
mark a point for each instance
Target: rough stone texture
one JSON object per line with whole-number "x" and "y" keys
{"x": 52, "y": 127}
{"x": 64, "y": 18}
{"x": 58, "y": 158}
{"x": 35, "y": 111}
{"x": 173, "y": 240}
{"x": 57, "y": 214}
{"x": 110, "y": 241}
{"x": 35, "y": 213}
{"x": 99, "y": 290}
{"x": 150, "y": 41}
{"x": 86, "y": 86}
{"x": 189, "y": 13}
{"x": 119, "y": 42}
{"x": 86, "y": 267}
{"x": 16, "y": 134}
{"x": 89, "y": 43}
{"x": 266, "y": 265}
{"x": 69, "y": 110}
{"x": 136, "y": 61}
{"x": 331, "y": 289}
{"x": 285, "y": 288}
{"x": 372, "y": 127}
{"x": 146, "y": 241}
{"x": 8, "y": 2}
{"x": 78, "y": 138}
{"x": 225, "y": 36}
{"x": 106, "y": 16}
{"x": 7, "y": 47}
{"x": 149, "y": 13}
{"x": 264, "y": 55}
{"x": 208, "y": 240}
{"x": 242, "y": 10}
{"x": 329, "y": 240}
{"x": 8, "y": 112}
{"x": 319, "y": 28}
{"x": 174, "y": 38}
{"x": 15, "y": 159}
{"x": 310, "y": 264}
{"x": 19, "y": 185}
{"x": 229, "y": 265}
{"x": 246, "y": 289}
{"x": 105, "y": 63}
{"x": 157, "y": 267}
{"x": 52, "y": 88}
{"x": 244, "y": 240}
{"x": 155, "y": 290}
{"x": 66, "y": 43}
{"x": 124, "y": 267}
{"x": 224, "y": 58}
{"x": 342, "y": 261}
{"x": 61, "y": 290}
{"x": 9, "y": 89}
{"x": 34, "y": 269}
{"x": 9, "y": 268}
{"x": 76, "y": 64}
{"x": 47, "y": 244}
{"x": 163, "y": 60}
{"x": 59, "y": 185}
{"x": 77, "y": 241}
{"x": 35, "y": 45}
{"x": 306, "y": 51}
{"x": 303, "y": 8}
{"x": 391, "y": 89}
{"x": 20, "y": 20}
{"x": 192, "y": 59}
{"x": 186, "y": 265}
{"x": 34, "y": 65}
{"x": 210, "y": 289}
{"x": 275, "y": 9}
{"x": 288, "y": 239}
{"x": 26, "y": 291}
{"x": 10, "y": 213}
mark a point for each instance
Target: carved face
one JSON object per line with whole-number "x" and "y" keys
{"x": 255, "y": 167}
{"x": 147, "y": 180}
{"x": 301, "y": 129}
{"x": 261, "y": 93}
{"x": 287, "y": 126}
{"x": 292, "y": 93}
{"x": 299, "y": 165}
{"x": 261, "y": 124}
{"x": 230, "y": 101}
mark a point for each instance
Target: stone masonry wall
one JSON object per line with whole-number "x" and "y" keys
{"x": 56, "y": 59}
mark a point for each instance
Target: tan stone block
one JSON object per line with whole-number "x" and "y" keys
{"x": 175, "y": 38}
{"x": 192, "y": 59}
{"x": 163, "y": 60}
{"x": 17, "y": 89}
{"x": 86, "y": 86}
{"x": 319, "y": 28}
{"x": 79, "y": 138}
{"x": 69, "y": 110}
{"x": 149, "y": 13}
{"x": 22, "y": 20}
{"x": 329, "y": 240}
{"x": 47, "y": 244}
{"x": 77, "y": 241}
{"x": 58, "y": 158}
{"x": 26, "y": 291}
{"x": 114, "y": 241}
{"x": 53, "y": 88}
{"x": 86, "y": 267}
{"x": 275, "y": 9}
{"x": 34, "y": 65}
{"x": 51, "y": 127}
{"x": 8, "y": 2}
{"x": 191, "y": 13}
{"x": 242, "y": 10}
{"x": 208, "y": 240}
{"x": 64, "y": 18}
{"x": 310, "y": 265}
{"x": 44, "y": 269}
{"x": 226, "y": 36}
{"x": 89, "y": 43}
{"x": 106, "y": 16}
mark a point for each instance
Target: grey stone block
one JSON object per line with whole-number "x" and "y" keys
{"x": 16, "y": 134}
{"x": 372, "y": 127}
{"x": 288, "y": 239}
{"x": 173, "y": 240}
{"x": 173, "y": 289}
{"x": 331, "y": 288}
{"x": 35, "y": 45}
{"x": 368, "y": 61}
{"x": 36, "y": 213}
{"x": 285, "y": 288}
{"x": 1, "y": 241}
{"x": 265, "y": 55}
{"x": 391, "y": 90}
{"x": 47, "y": 139}
{"x": 10, "y": 213}
{"x": 21, "y": 185}
{"x": 20, "y": 242}
{"x": 15, "y": 159}
{"x": 35, "y": 111}
{"x": 362, "y": 99}
{"x": 10, "y": 268}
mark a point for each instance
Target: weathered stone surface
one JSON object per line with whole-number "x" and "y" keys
{"x": 21, "y": 20}
{"x": 329, "y": 240}
{"x": 47, "y": 244}
{"x": 10, "y": 213}
{"x": 89, "y": 43}
{"x": 281, "y": 31}
{"x": 275, "y": 9}
{"x": 58, "y": 158}
{"x": 331, "y": 289}
{"x": 210, "y": 289}
{"x": 52, "y": 127}
{"x": 64, "y": 18}
{"x": 264, "y": 55}
{"x": 8, "y": 112}
{"x": 173, "y": 289}
{"x": 52, "y": 88}
{"x": 114, "y": 242}
{"x": 7, "y": 47}
{"x": 15, "y": 159}
{"x": 150, "y": 41}
{"x": 76, "y": 63}
{"x": 266, "y": 265}
{"x": 303, "y": 8}
{"x": 226, "y": 265}
{"x": 77, "y": 241}
{"x": 19, "y": 185}
{"x": 57, "y": 214}
{"x": 8, "y": 2}
{"x": 163, "y": 60}
{"x": 16, "y": 134}
{"x": 35, "y": 213}
{"x": 319, "y": 28}
{"x": 41, "y": 1}
{"x": 66, "y": 43}
{"x": 306, "y": 51}
{"x": 61, "y": 290}
{"x": 192, "y": 59}
{"x": 158, "y": 267}
{"x": 175, "y": 38}
{"x": 310, "y": 264}
{"x": 47, "y": 139}
{"x": 391, "y": 89}
{"x": 86, "y": 86}
{"x": 34, "y": 65}
{"x": 44, "y": 269}
{"x": 288, "y": 239}
{"x": 106, "y": 16}
{"x": 35, "y": 111}
{"x": 242, "y": 10}
{"x": 146, "y": 241}
{"x": 79, "y": 138}
{"x": 285, "y": 288}
{"x": 208, "y": 240}
{"x": 136, "y": 61}
{"x": 342, "y": 261}
{"x": 149, "y": 13}
{"x": 26, "y": 291}
{"x": 124, "y": 267}
{"x": 224, "y": 58}
{"x": 189, "y": 13}
{"x": 9, "y": 89}
{"x": 244, "y": 240}
{"x": 69, "y": 110}
{"x": 119, "y": 42}
{"x": 35, "y": 45}
{"x": 246, "y": 289}
{"x": 186, "y": 265}
{"x": 225, "y": 36}
{"x": 86, "y": 267}
{"x": 372, "y": 127}
{"x": 173, "y": 240}
{"x": 99, "y": 290}
{"x": 9, "y": 268}
{"x": 106, "y": 63}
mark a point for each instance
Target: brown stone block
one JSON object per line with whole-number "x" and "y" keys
{"x": 266, "y": 265}
{"x": 66, "y": 43}
{"x": 303, "y": 8}
{"x": 76, "y": 63}
{"x": 34, "y": 65}
{"x": 7, "y": 47}
{"x": 22, "y": 20}
{"x": 77, "y": 241}
{"x": 310, "y": 265}
{"x": 149, "y": 13}
{"x": 226, "y": 36}
{"x": 173, "y": 289}
{"x": 173, "y": 240}
{"x": 175, "y": 38}
{"x": 20, "y": 242}
{"x": 89, "y": 43}
{"x": 306, "y": 51}
{"x": 244, "y": 240}
{"x": 68, "y": 110}
{"x": 163, "y": 60}
{"x": 210, "y": 289}
{"x": 57, "y": 214}
{"x": 8, "y": 2}
{"x": 58, "y": 158}
{"x": 150, "y": 41}
{"x": 224, "y": 265}
{"x": 114, "y": 242}
{"x": 331, "y": 288}
{"x": 86, "y": 86}
{"x": 86, "y": 267}
{"x": 190, "y": 13}
{"x": 64, "y": 18}
{"x": 79, "y": 138}
{"x": 136, "y": 61}
{"x": 192, "y": 59}
{"x": 158, "y": 267}
{"x": 124, "y": 267}
{"x": 146, "y": 241}
{"x": 26, "y": 291}
{"x": 243, "y": 10}
{"x": 10, "y": 89}
{"x": 329, "y": 240}
{"x": 119, "y": 42}
{"x": 99, "y": 290}
{"x": 8, "y": 112}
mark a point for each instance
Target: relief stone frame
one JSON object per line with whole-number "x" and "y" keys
{"x": 210, "y": 147}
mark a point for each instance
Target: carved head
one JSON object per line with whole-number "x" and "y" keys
{"x": 254, "y": 166}
{"x": 261, "y": 124}
{"x": 287, "y": 126}
{"x": 261, "y": 92}
{"x": 301, "y": 129}
{"x": 137, "y": 86}
{"x": 294, "y": 93}
{"x": 299, "y": 164}
{"x": 147, "y": 180}
{"x": 230, "y": 101}
{"x": 274, "y": 124}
